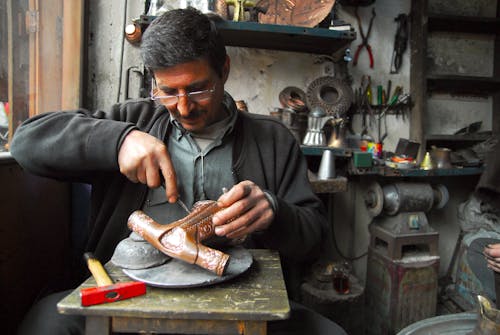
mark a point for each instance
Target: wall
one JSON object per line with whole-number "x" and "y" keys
{"x": 459, "y": 54}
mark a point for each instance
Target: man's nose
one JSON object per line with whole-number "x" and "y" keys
{"x": 184, "y": 105}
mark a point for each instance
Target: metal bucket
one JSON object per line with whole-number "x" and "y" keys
{"x": 452, "y": 324}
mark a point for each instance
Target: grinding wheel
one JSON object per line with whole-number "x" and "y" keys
{"x": 441, "y": 196}
{"x": 374, "y": 199}
{"x": 330, "y": 93}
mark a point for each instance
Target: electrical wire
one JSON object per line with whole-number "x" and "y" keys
{"x": 120, "y": 76}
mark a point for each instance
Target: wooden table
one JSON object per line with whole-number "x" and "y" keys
{"x": 242, "y": 305}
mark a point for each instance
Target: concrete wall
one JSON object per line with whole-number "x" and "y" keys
{"x": 258, "y": 76}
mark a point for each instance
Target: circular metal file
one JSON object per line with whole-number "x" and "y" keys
{"x": 330, "y": 93}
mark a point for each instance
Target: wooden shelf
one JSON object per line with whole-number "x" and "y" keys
{"x": 473, "y": 85}
{"x": 318, "y": 151}
{"x": 277, "y": 37}
{"x": 334, "y": 185}
{"x": 456, "y": 142}
{"x": 463, "y": 24}
{"x": 282, "y": 37}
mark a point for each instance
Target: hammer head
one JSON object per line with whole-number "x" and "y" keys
{"x": 109, "y": 293}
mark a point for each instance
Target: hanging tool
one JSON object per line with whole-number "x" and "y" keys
{"x": 106, "y": 291}
{"x": 365, "y": 96}
{"x": 364, "y": 38}
{"x": 400, "y": 42}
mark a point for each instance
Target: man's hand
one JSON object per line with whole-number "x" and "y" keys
{"x": 142, "y": 157}
{"x": 492, "y": 254}
{"x": 248, "y": 204}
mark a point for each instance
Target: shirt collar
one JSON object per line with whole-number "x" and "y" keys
{"x": 227, "y": 103}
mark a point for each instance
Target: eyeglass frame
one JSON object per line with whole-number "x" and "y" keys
{"x": 189, "y": 95}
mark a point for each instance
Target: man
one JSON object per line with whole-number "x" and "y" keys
{"x": 191, "y": 136}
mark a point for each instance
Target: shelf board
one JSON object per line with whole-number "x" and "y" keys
{"x": 283, "y": 37}
{"x": 278, "y": 37}
{"x": 473, "y": 85}
{"x": 318, "y": 151}
{"x": 456, "y": 142}
{"x": 460, "y": 138}
{"x": 463, "y": 24}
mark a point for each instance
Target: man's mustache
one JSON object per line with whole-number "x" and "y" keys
{"x": 192, "y": 114}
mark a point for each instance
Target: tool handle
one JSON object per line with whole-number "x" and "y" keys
{"x": 497, "y": 288}
{"x": 98, "y": 272}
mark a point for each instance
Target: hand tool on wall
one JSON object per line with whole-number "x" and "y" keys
{"x": 106, "y": 290}
{"x": 497, "y": 288}
{"x": 364, "y": 39}
{"x": 400, "y": 42}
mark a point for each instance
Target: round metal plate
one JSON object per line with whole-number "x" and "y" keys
{"x": 177, "y": 273}
{"x": 332, "y": 94}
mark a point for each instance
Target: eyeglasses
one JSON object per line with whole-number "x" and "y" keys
{"x": 197, "y": 96}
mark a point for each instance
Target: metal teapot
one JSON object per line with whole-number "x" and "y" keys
{"x": 316, "y": 120}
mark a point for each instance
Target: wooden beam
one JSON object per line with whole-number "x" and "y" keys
{"x": 32, "y": 28}
{"x": 72, "y": 54}
{"x": 10, "y": 81}
{"x": 418, "y": 82}
{"x": 495, "y": 109}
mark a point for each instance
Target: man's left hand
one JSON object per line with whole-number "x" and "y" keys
{"x": 248, "y": 208}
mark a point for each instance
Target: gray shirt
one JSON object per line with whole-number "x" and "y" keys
{"x": 202, "y": 162}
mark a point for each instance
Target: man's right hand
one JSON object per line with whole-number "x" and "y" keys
{"x": 143, "y": 157}
{"x": 492, "y": 254}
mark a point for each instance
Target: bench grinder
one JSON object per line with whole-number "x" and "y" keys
{"x": 403, "y": 257}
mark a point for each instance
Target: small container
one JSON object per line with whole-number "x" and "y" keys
{"x": 340, "y": 278}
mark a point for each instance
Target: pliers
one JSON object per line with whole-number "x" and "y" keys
{"x": 364, "y": 38}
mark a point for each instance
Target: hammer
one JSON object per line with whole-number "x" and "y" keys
{"x": 106, "y": 291}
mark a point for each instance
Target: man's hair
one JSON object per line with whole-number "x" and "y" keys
{"x": 180, "y": 36}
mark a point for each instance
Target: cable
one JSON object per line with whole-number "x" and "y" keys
{"x": 120, "y": 76}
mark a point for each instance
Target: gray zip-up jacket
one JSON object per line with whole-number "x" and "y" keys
{"x": 81, "y": 146}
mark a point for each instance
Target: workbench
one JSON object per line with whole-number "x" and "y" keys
{"x": 242, "y": 305}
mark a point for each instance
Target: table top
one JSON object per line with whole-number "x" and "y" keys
{"x": 258, "y": 294}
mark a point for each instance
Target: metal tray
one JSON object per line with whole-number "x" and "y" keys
{"x": 178, "y": 274}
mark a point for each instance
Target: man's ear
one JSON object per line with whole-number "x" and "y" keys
{"x": 225, "y": 69}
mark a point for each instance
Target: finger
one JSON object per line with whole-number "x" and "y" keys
{"x": 168, "y": 173}
{"x": 153, "y": 176}
{"x": 233, "y": 213}
{"x": 493, "y": 250}
{"x": 257, "y": 218}
{"x": 235, "y": 225}
{"x": 494, "y": 267}
{"x": 141, "y": 175}
{"x": 237, "y": 192}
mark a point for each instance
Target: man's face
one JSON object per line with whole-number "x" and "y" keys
{"x": 198, "y": 76}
